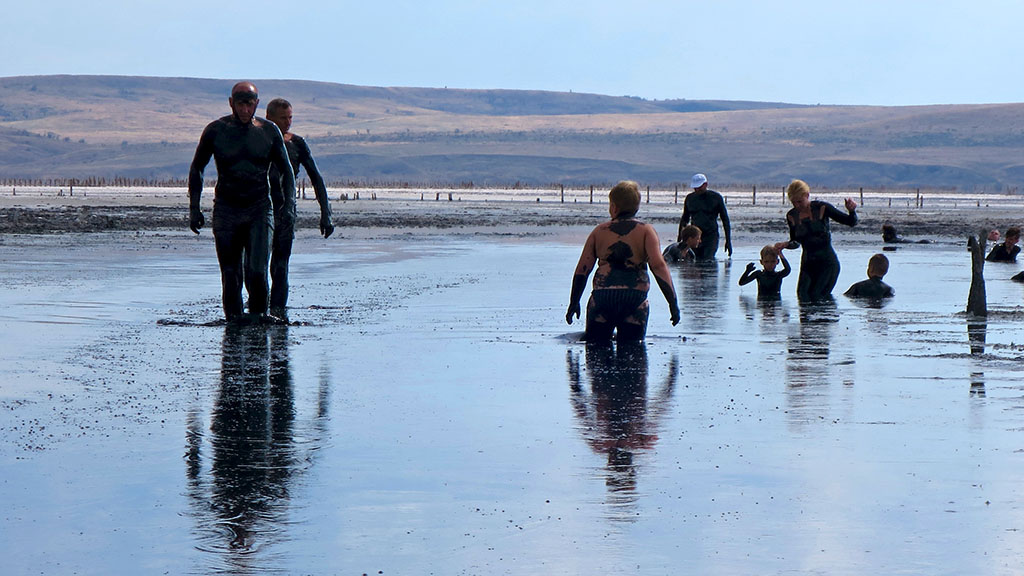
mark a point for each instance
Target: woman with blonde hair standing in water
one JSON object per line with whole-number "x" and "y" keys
{"x": 809, "y": 227}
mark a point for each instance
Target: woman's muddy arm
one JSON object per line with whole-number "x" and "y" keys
{"x": 661, "y": 272}
{"x": 579, "y": 280}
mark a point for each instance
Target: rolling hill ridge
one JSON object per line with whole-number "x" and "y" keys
{"x": 147, "y": 127}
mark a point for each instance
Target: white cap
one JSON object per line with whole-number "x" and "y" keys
{"x": 698, "y": 180}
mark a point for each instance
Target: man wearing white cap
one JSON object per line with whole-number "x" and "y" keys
{"x": 704, "y": 207}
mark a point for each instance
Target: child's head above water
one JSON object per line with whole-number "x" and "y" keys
{"x": 1012, "y": 235}
{"x": 769, "y": 257}
{"x": 878, "y": 266}
{"x": 624, "y": 199}
{"x": 691, "y": 236}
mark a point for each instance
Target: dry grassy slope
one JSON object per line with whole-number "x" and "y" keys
{"x": 148, "y": 127}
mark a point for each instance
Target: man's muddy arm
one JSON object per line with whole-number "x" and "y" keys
{"x": 195, "y": 180}
{"x": 320, "y": 189}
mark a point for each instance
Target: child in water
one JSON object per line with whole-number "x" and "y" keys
{"x": 873, "y": 287}
{"x": 769, "y": 282}
{"x": 622, "y": 249}
{"x": 1008, "y": 250}
{"x": 683, "y": 251}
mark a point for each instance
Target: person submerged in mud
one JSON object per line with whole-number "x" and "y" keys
{"x": 243, "y": 147}
{"x": 1007, "y": 250}
{"x": 684, "y": 250}
{"x": 279, "y": 111}
{"x": 622, "y": 249}
{"x": 808, "y": 227}
{"x": 873, "y": 287}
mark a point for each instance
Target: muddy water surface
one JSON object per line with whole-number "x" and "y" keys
{"x": 430, "y": 413}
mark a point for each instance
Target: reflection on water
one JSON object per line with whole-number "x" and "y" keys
{"x": 616, "y": 417}
{"x": 241, "y": 491}
{"x": 808, "y": 365}
{"x": 770, "y": 312}
{"x": 978, "y": 384}
{"x": 697, "y": 285}
{"x": 976, "y": 334}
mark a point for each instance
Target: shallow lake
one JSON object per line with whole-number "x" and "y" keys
{"x": 431, "y": 413}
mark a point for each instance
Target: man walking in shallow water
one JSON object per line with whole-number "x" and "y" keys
{"x": 243, "y": 148}
{"x": 279, "y": 111}
{"x": 704, "y": 207}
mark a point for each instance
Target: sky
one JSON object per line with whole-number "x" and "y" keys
{"x": 868, "y": 52}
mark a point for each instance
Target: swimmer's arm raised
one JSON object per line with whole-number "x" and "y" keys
{"x": 849, "y": 218}
{"x": 749, "y": 275}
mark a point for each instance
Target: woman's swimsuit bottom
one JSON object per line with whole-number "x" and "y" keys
{"x": 623, "y": 309}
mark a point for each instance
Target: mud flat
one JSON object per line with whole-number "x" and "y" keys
{"x": 431, "y": 413}
{"x": 42, "y": 210}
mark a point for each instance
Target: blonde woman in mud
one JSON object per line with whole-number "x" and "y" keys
{"x": 809, "y": 228}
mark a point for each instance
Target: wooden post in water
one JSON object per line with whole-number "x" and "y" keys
{"x": 591, "y": 193}
{"x": 562, "y": 186}
{"x": 753, "y": 197}
{"x": 917, "y": 201}
{"x": 861, "y": 195}
{"x": 977, "y": 304}
{"x": 676, "y": 201}
{"x": 648, "y": 194}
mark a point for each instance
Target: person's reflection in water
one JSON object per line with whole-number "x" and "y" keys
{"x": 808, "y": 367}
{"x": 697, "y": 285}
{"x": 773, "y": 314}
{"x": 616, "y": 418}
{"x": 246, "y": 494}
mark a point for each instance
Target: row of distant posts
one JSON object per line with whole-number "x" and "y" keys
{"x": 918, "y": 202}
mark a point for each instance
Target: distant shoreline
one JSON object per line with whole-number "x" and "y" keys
{"x": 45, "y": 210}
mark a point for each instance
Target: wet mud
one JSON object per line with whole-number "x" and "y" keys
{"x": 426, "y": 410}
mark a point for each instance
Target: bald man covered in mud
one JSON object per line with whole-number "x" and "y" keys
{"x": 243, "y": 147}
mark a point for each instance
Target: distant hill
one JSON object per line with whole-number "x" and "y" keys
{"x": 106, "y": 126}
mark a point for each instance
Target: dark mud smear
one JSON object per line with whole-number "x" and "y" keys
{"x": 427, "y": 410}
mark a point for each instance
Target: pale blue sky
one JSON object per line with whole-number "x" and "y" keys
{"x": 864, "y": 52}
